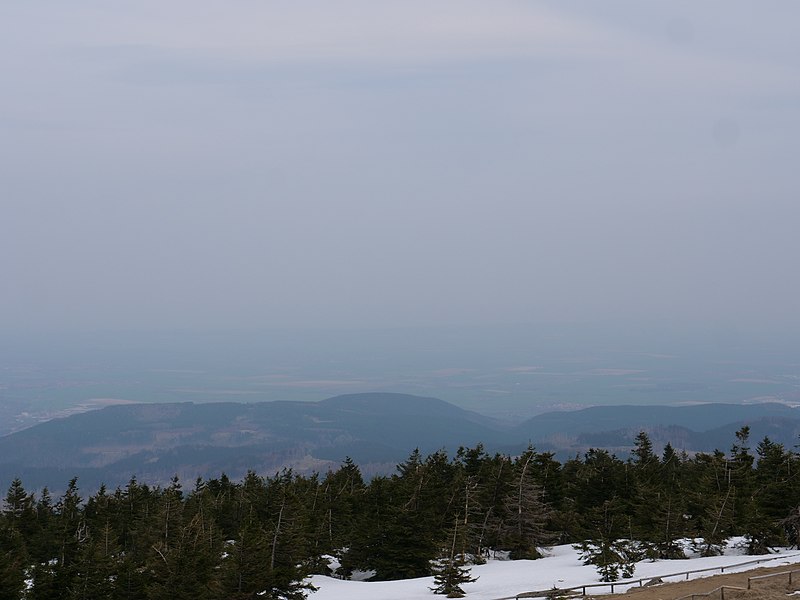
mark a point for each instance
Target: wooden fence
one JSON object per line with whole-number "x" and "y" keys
{"x": 721, "y": 589}
{"x": 573, "y": 591}
{"x": 750, "y": 580}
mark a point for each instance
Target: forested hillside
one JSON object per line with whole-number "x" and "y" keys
{"x": 259, "y": 537}
{"x": 154, "y": 442}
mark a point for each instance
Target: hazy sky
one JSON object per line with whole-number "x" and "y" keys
{"x": 195, "y": 164}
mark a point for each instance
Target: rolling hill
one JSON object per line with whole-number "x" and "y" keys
{"x": 378, "y": 430}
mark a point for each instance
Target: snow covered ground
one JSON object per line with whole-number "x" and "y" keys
{"x": 561, "y": 568}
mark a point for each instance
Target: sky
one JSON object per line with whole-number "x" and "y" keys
{"x": 361, "y": 164}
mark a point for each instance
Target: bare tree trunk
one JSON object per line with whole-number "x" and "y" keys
{"x": 275, "y": 537}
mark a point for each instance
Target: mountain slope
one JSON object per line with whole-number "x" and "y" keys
{"x": 698, "y": 417}
{"x": 156, "y": 441}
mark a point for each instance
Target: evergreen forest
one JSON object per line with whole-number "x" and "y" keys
{"x": 262, "y": 536}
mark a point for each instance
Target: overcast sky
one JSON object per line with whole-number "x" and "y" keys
{"x": 194, "y": 164}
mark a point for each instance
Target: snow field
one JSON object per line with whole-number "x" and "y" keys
{"x": 561, "y": 567}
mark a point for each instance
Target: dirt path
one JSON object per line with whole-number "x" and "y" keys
{"x": 774, "y": 587}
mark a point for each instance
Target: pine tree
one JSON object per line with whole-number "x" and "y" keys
{"x": 71, "y": 535}
{"x": 221, "y": 501}
{"x": 185, "y": 567}
{"x": 711, "y": 502}
{"x": 404, "y": 527}
{"x": 96, "y": 569}
{"x": 17, "y": 501}
{"x": 612, "y": 557}
{"x": 17, "y": 528}
{"x": 13, "y": 562}
{"x": 244, "y": 573}
{"x": 43, "y": 551}
{"x": 791, "y": 527}
{"x": 96, "y": 564}
{"x": 741, "y": 478}
{"x": 493, "y": 479}
{"x": 286, "y": 538}
{"x": 450, "y": 570}
{"x": 135, "y": 510}
{"x": 569, "y": 521}
{"x": 342, "y": 491}
{"x": 771, "y": 498}
{"x": 607, "y": 549}
{"x": 657, "y": 518}
{"x": 599, "y": 487}
{"x": 525, "y": 513}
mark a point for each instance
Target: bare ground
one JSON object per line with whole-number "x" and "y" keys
{"x": 764, "y": 589}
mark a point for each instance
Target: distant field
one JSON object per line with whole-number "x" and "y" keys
{"x": 509, "y": 373}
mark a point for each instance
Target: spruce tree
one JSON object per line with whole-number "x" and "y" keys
{"x": 741, "y": 479}
{"x": 711, "y": 502}
{"x": 18, "y": 528}
{"x": 245, "y": 559}
{"x": 403, "y": 533}
{"x": 657, "y": 516}
{"x": 96, "y": 565}
{"x": 184, "y": 568}
{"x": 771, "y": 498}
{"x": 96, "y": 569}
{"x": 287, "y": 538}
{"x": 494, "y": 482}
{"x": 13, "y": 562}
{"x": 450, "y": 570}
{"x": 341, "y": 494}
{"x": 613, "y": 558}
{"x": 135, "y": 509}
{"x": 525, "y": 515}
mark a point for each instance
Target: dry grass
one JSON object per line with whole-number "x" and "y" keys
{"x": 761, "y": 589}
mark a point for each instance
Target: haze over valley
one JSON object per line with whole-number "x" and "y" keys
{"x": 505, "y": 372}
{"x": 296, "y": 292}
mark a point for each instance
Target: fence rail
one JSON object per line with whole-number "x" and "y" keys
{"x": 769, "y": 575}
{"x": 641, "y": 581}
{"x": 721, "y": 589}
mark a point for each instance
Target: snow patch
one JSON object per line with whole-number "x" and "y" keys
{"x": 561, "y": 567}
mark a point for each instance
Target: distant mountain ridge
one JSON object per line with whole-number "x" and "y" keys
{"x": 698, "y": 417}
{"x": 156, "y": 441}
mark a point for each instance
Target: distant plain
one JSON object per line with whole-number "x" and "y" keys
{"x": 506, "y": 372}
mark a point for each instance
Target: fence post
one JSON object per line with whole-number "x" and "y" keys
{"x": 612, "y": 588}
{"x": 722, "y": 593}
{"x": 748, "y": 583}
{"x": 584, "y": 590}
